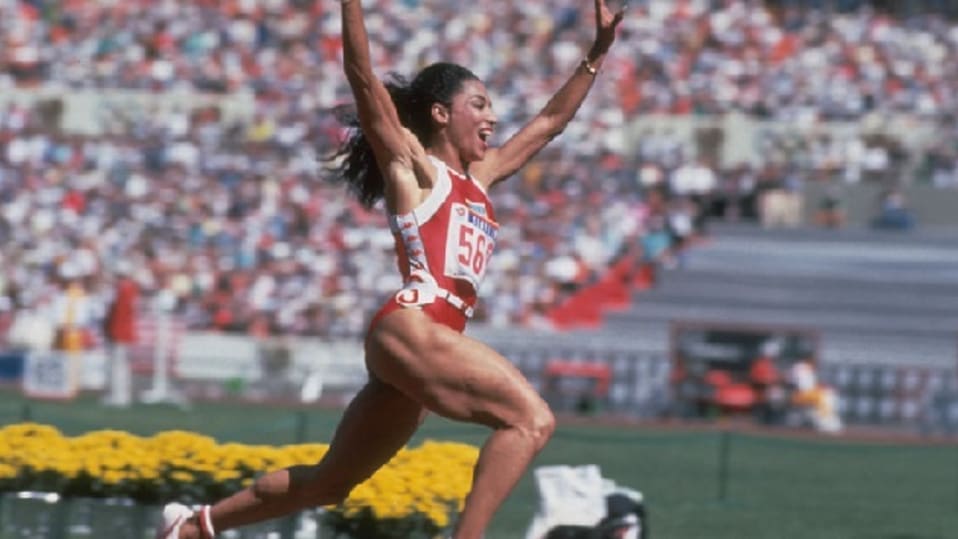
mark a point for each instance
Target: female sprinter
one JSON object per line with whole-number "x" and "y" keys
{"x": 424, "y": 149}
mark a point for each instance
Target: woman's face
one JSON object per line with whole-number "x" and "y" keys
{"x": 471, "y": 121}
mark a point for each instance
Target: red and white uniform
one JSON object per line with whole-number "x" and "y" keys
{"x": 443, "y": 248}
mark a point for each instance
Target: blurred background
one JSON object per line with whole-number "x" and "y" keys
{"x": 752, "y": 221}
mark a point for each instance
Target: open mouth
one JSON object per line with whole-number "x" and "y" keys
{"x": 485, "y": 135}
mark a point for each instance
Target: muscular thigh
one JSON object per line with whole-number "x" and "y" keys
{"x": 449, "y": 373}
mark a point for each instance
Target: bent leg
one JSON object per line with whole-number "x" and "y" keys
{"x": 376, "y": 424}
{"x": 463, "y": 379}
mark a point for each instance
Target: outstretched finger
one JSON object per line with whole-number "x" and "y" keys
{"x": 613, "y": 11}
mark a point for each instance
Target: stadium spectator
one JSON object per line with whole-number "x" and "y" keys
{"x": 893, "y": 214}
{"x": 830, "y": 212}
{"x": 120, "y": 331}
{"x": 73, "y": 312}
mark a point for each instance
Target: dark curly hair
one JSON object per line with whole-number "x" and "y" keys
{"x": 354, "y": 162}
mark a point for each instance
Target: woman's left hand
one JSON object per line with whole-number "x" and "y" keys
{"x": 605, "y": 24}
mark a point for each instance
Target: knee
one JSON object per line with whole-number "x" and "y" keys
{"x": 539, "y": 423}
{"x": 547, "y": 423}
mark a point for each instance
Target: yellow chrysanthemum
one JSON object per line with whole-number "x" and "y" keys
{"x": 428, "y": 481}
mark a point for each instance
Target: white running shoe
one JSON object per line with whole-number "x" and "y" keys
{"x": 174, "y": 516}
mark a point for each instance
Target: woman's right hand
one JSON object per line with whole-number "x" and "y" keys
{"x": 606, "y": 21}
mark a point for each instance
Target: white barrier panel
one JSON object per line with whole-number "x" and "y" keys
{"x": 216, "y": 356}
{"x": 342, "y": 362}
{"x": 93, "y": 371}
{"x": 310, "y": 365}
{"x": 51, "y": 375}
{"x": 96, "y": 112}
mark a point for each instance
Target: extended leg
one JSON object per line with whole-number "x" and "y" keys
{"x": 377, "y": 423}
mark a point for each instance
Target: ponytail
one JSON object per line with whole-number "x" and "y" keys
{"x": 354, "y": 163}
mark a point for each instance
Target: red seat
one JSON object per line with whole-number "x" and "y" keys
{"x": 763, "y": 372}
{"x": 735, "y": 396}
{"x": 718, "y": 378}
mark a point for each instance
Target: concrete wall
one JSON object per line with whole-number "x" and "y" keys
{"x": 92, "y": 112}
{"x": 931, "y": 206}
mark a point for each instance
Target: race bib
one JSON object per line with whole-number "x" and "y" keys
{"x": 469, "y": 243}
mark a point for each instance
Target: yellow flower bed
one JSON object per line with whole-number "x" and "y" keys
{"x": 418, "y": 488}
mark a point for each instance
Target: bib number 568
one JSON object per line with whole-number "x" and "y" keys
{"x": 474, "y": 249}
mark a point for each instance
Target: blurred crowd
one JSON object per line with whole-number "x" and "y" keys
{"x": 239, "y": 234}
{"x": 774, "y": 59}
{"x": 232, "y": 226}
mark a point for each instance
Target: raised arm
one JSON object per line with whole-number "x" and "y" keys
{"x": 501, "y": 162}
{"x": 394, "y": 147}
